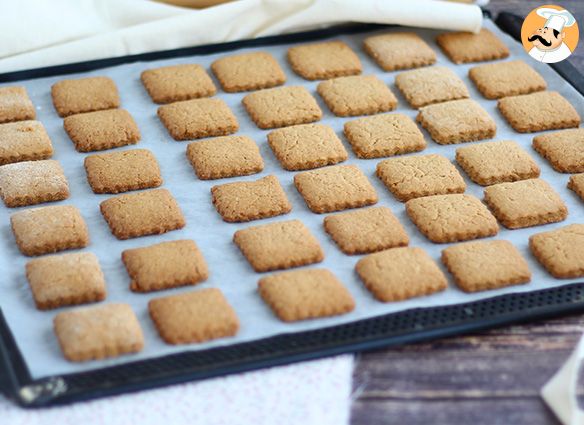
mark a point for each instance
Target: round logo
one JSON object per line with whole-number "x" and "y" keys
{"x": 549, "y": 33}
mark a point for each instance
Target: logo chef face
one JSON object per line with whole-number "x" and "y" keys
{"x": 546, "y": 38}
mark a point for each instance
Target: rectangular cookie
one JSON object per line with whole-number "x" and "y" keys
{"x": 399, "y": 50}
{"x": 319, "y": 61}
{"x": 411, "y": 177}
{"x": 560, "y": 251}
{"x": 486, "y": 265}
{"x": 335, "y": 188}
{"x": 281, "y": 107}
{"x": 165, "y": 265}
{"x": 84, "y": 95}
{"x": 66, "y": 279}
{"x": 357, "y": 95}
{"x": 32, "y": 182}
{"x": 525, "y": 203}
{"x": 15, "y": 105}
{"x": 305, "y": 294}
{"x": 563, "y": 149}
{"x": 24, "y": 141}
{"x": 228, "y": 156}
{"x": 400, "y": 273}
{"x": 306, "y": 146}
{"x": 280, "y": 245}
{"x": 546, "y": 110}
{"x": 576, "y": 183}
{"x": 426, "y": 86}
{"x": 197, "y": 118}
{"x": 464, "y": 47}
{"x": 152, "y": 212}
{"x": 451, "y": 218}
{"x": 457, "y": 121}
{"x": 51, "y": 229}
{"x": 250, "y": 200}
{"x": 191, "y": 317}
{"x": 248, "y": 71}
{"x": 502, "y": 79}
{"x": 384, "y": 135}
{"x": 97, "y": 131}
{"x": 177, "y": 82}
{"x": 366, "y": 230}
{"x": 122, "y": 171}
{"x": 496, "y": 162}
{"x": 94, "y": 333}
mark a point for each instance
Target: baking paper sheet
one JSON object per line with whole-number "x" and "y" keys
{"x": 229, "y": 270}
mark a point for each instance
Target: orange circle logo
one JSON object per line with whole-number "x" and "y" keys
{"x": 549, "y": 33}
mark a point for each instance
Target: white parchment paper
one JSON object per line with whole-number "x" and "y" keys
{"x": 229, "y": 270}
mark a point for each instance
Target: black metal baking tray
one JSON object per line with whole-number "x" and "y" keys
{"x": 397, "y": 328}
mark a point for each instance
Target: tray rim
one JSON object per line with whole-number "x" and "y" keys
{"x": 17, "y": 384}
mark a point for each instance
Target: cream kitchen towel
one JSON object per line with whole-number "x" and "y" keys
{"x": 560, "y": 392}
{"x": 38, "y": 33}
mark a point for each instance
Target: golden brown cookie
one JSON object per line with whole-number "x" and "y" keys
{"x": 227, "y": 156}
{"x": 165, "y": 265}
{"x": 122, "y": 171}
{"x": 457, "y": 121}
{"x": 463, "y": 47}
{"x": 250, "y": 200}
{"x": 279, "y": 245}
{"x": 400, "y": 273}
{"x": 426, "y": 86}
{"x": 49, "y": 229}
{"x": 32, "y": 182}
{"x": 496, "y": 162}
{"x": 197, "y": 118}
{"x": 357, "y": 95}
{"x": 576, "y": 183}
{"x": 320, "y": 61}
{"x": 84, "y": 95}
{"x": 335, "y": 188}
{"x": 24, "y": 141}
{"x": 96, "y": 131}
{"x": 501, "y": 79}
{"x": 486, "y": 265}
{"x": 384, "y": 135}
{"x": 305, "y": 294}
{"x": 366, "y": 230}
{"x": 191, "y": 317}
{"x": 452, "y": 218}
{"x": 525, "y": 203}
{"x": 399, "y": 50}
{"x": 66, "y": 279}
{"x": 306, "y": 146}
{"x": 15, "y": 105}
{"x": 411, "y": 177}
{"x": 281, "y": 107}
{"x": 177, "y": 82}
{"x": 563, "y": 149}
{"x": 152, "y": 212}
{"x": 546, "y": 110}
{"x": 248, "y": 71}
{"x": 93, "y": 333}
{"x": 560, "y": 251}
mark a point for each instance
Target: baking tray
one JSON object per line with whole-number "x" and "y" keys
{"x": 417, "y": 324}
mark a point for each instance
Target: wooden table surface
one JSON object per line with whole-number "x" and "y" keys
{"x": 486, "y": 378}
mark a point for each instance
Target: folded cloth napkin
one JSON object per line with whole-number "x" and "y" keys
{"x": 311, "y": 393}
{"x": 39, "y": 33}
{"x": 560, "y": 391}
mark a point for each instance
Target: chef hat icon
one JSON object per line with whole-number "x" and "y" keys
{"x": 556, "y": 19}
